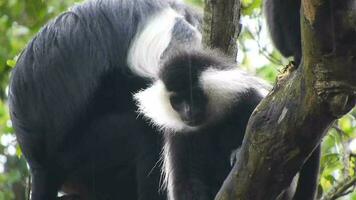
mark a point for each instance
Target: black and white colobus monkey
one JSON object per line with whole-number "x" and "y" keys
{"x": 202, "y": 103}
{"x": 71, "y": 97}
{"x": 283, "y": 22}
{"x": 284, "y": 26}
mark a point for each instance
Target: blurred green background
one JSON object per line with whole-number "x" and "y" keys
{"x": 21, "y": 19}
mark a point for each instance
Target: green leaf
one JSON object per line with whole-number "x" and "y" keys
{"x": 11, "y": 63}
{"x": 330, "y": 178}
{"x": 18, "y": 152}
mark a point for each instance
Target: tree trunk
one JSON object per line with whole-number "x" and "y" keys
{"x": 291, "y": 121}
{"x": 221, "y": 26}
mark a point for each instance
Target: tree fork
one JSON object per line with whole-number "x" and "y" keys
{"x": 290, "y": 122}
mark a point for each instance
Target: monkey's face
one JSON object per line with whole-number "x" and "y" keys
{"x": 190, "y": 104}
{"x": 194, "y": 90}
{"x": 178, "y": 110}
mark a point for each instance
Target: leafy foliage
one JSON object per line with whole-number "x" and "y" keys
{"x": 20, "y": 20}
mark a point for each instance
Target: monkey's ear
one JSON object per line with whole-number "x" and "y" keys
{"x": 153, "y": 103}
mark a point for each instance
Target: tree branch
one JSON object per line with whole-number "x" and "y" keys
{"x": 221, "y": 25}
{"x": 291, "y": 121}
{"x": 340, "y": 189}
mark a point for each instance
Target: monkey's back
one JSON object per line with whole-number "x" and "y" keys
{"x": 74, "y": 70}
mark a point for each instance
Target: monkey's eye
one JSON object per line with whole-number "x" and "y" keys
{"x": 175, "y": 98}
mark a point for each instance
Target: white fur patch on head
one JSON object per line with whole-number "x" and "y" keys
{"x": 154, "y": 104}
{"x": 149, "y": 44}
{"x": 223, "y": 88}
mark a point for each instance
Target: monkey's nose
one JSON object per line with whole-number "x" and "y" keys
{"x": 186, "y": 113}
{"x": 191, "y": 116}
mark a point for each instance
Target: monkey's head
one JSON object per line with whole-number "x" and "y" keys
{"x": 195, "y": 89}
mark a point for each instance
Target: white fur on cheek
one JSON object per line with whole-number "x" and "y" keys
{"x": 154, "y": 104}
{"x": 149, "y": 44}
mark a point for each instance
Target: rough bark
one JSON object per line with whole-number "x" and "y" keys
{"x": 291, "y": 121}
{"x": 221, "y": 25}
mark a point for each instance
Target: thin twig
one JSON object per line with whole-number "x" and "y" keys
{"x": 340, "y": 189}
{"x": 346, "y": 151}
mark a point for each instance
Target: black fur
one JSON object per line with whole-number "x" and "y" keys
{"x": 71, "y": 103}
{"x": 200, "y": 159}
{"x": 183, "y": 68}
{"x": 309, "y": 177}
{"x": 284, "y": 26}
